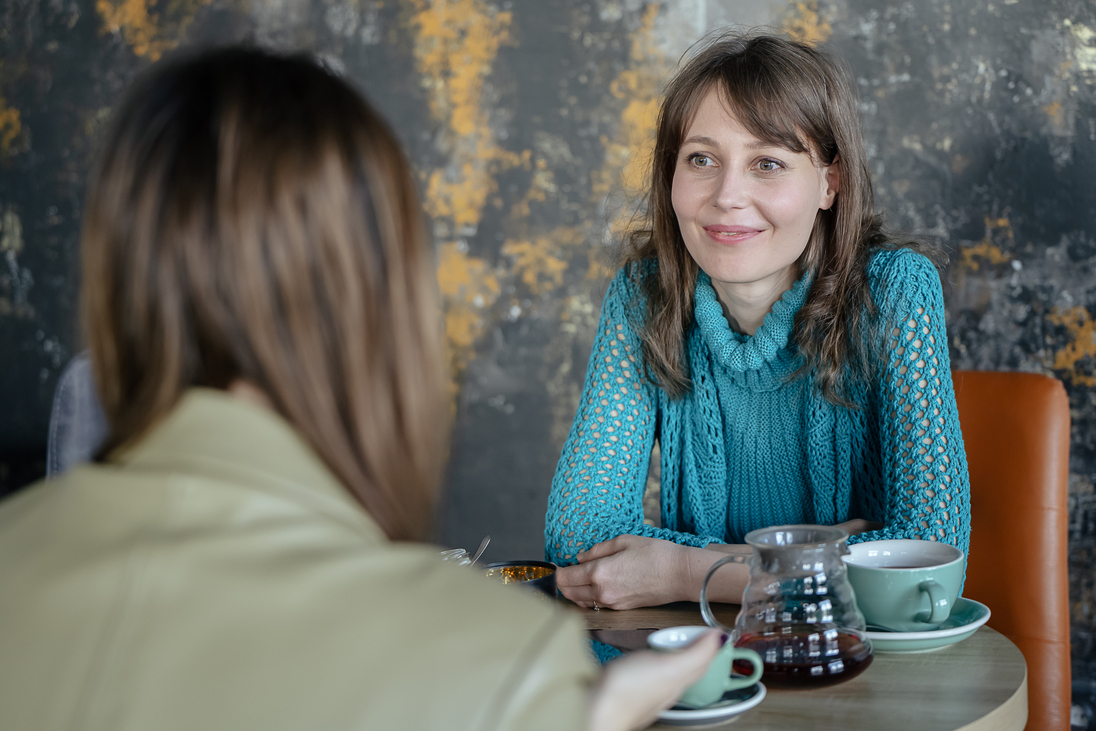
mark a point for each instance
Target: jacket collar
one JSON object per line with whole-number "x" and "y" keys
{"x": 214, "y": 435}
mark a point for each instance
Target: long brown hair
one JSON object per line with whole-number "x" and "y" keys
{"x": 253, "y": 218}
{"x": 798, "y": 97}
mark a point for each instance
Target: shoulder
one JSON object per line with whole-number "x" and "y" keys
{"x": 630, "y": 280}
{"x": 625, "y": 301}
{"x": 290, "y": 583}
{"x": 897, "y": 275}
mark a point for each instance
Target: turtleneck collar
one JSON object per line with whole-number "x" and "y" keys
{"x": 742, "y": 353}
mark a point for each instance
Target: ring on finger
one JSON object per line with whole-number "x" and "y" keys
{"x": 596, "y": 607}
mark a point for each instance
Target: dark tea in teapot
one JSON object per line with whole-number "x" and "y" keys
{"x": 795, "y": 661}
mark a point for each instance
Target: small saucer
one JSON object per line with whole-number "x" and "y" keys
{"x": 967, "y": 616}
{"x": 733, "y": 703}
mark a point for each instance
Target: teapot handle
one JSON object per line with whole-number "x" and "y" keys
{"x": 705, "y": 606}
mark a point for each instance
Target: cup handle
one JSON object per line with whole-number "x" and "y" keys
{"x": 743, "y": 653}
{"x": 938, "y": 603}
{"x": 705, "y": 607}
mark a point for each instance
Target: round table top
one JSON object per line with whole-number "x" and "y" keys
{"x": 977, "y": 684}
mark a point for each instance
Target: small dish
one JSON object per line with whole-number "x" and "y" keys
{"x": 732, "y": 704}
{"x": 539, "y": 576}
{"x": 967, "y": 616}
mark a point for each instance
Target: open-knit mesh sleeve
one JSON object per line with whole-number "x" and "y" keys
{"x": 597, "y": 492}
{"x": 926, "y": 491}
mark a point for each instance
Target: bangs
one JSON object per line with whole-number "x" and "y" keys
{"x": 780, "y": 105}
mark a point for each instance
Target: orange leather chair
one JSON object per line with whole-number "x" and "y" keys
{"x": 1016, "y": 432}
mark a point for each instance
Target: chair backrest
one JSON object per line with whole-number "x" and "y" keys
{"x": 77, "y": 426}
{"x": 1016, "y": 433}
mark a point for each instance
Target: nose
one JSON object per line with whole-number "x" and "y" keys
{"x": 731, "y": 191}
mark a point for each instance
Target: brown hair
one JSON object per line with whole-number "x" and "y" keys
{"x": 253, "y": 218}
{"x": 798, "y": 97}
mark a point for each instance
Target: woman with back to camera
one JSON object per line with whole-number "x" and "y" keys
{"x": 260, "y": 307}
{"x": 789, "y": 357}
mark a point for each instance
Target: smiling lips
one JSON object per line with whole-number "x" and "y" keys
{"x": 730, "y": 234}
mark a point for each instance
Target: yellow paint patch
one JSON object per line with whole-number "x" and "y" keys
{"x": 455, "y": 46}
{"x": 986, "y": 251}
{"x": 456, "y": 43}
{"x": 11, "y": 232}
{"x": 10, "y": 127}
{"x": 804, "y": 24}
{"x": 148, "y": 33}
{"x": 542, "y": 262}
{"x": 1082, "y": 329}
{"x": 542, "y": 185}
{"x": 1056, "y": 113}
{"x": 628, "y": 153}
{"x": 468, "y": 286}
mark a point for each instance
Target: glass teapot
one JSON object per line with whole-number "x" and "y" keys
{"x": 798, "y": 611}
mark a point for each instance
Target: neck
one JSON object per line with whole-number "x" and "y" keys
{"x": 248, "y": 391}
{"x": 745, "y": 305}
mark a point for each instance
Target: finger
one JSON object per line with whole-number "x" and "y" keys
{"x": 573, "y": 576}
{"x": 601, "y": 550}
{"x": 584, "y": 596}
{"x": 681, "y": 669}
{"x": 639, "y": 685}
{"x": 695, "y": 659}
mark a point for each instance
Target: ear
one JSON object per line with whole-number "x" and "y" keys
{"x": 831, "y": 183}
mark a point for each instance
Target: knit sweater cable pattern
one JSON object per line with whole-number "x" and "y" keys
{"x": 748, "y": 446}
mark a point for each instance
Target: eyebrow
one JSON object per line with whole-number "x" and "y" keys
{"x": 758, "y": 145}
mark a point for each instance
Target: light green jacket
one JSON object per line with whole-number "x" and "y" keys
{"x": 218, "y": 577}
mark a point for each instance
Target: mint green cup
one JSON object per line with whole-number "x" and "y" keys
{"x": 905, "y": 585}
{"x": 718, "y": 679}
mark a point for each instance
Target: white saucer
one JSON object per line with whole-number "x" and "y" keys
{"x": 967, "y": 616}
{"x": 733, "y": 703}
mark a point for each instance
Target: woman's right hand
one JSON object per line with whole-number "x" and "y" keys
{"x": 634, "y": 689}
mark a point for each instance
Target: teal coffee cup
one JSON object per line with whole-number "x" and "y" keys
{"x": 905, "y": 585}
{"x": 718, "y": 680}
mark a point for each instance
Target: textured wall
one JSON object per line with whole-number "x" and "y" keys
{"x": 529, "y": 122}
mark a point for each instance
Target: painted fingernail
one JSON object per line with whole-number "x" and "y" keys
{"x": 723, "y": 639}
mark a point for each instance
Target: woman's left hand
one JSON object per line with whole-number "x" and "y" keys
{"x": 626, "y": 572}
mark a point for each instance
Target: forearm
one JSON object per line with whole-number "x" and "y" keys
{"x": 729, "y": 582}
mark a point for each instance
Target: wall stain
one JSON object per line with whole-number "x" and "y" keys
{"x": 469, "y": 286}
{"x": 1056, "y": 113}
{"x": 542, "y": 185}
{"x": 455, "y": 46}
{"x": 149, "y": 33}
{"x": 985, "y": 250}
{"x": 541, "y": 263}
{"x": 10, "y": 127}
{"x": 15, "y": 281}
{"x": 1084, "y": 49}
{"x": 1072, "y": 357}
{"x": 628, "y": 152}
{"x": 804, "y": 23}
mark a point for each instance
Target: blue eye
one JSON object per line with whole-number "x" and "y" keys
{"x": 700, "y": 160}
{"x": 768, "y": 165}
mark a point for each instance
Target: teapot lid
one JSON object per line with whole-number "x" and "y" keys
{"x": 797, "y": 536}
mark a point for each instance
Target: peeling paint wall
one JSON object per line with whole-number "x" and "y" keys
{"x": 529, "y": 123}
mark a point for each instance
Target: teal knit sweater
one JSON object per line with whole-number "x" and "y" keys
{"x": 748, "y": 446}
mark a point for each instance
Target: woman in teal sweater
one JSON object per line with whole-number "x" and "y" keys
{"x": 789, "y": 358}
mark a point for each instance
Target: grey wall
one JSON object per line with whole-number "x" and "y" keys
{"x": 528, "y": 122}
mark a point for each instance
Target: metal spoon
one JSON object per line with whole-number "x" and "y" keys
{"x": 479, "y": 551}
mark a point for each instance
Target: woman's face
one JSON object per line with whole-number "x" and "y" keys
{"x": 745, "y": 208}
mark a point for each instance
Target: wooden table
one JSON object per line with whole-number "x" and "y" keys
{"x": 979, "y": 684}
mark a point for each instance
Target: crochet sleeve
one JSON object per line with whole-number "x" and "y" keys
{"x": 926, "y": 491}
{"x": 597, "y": 492}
